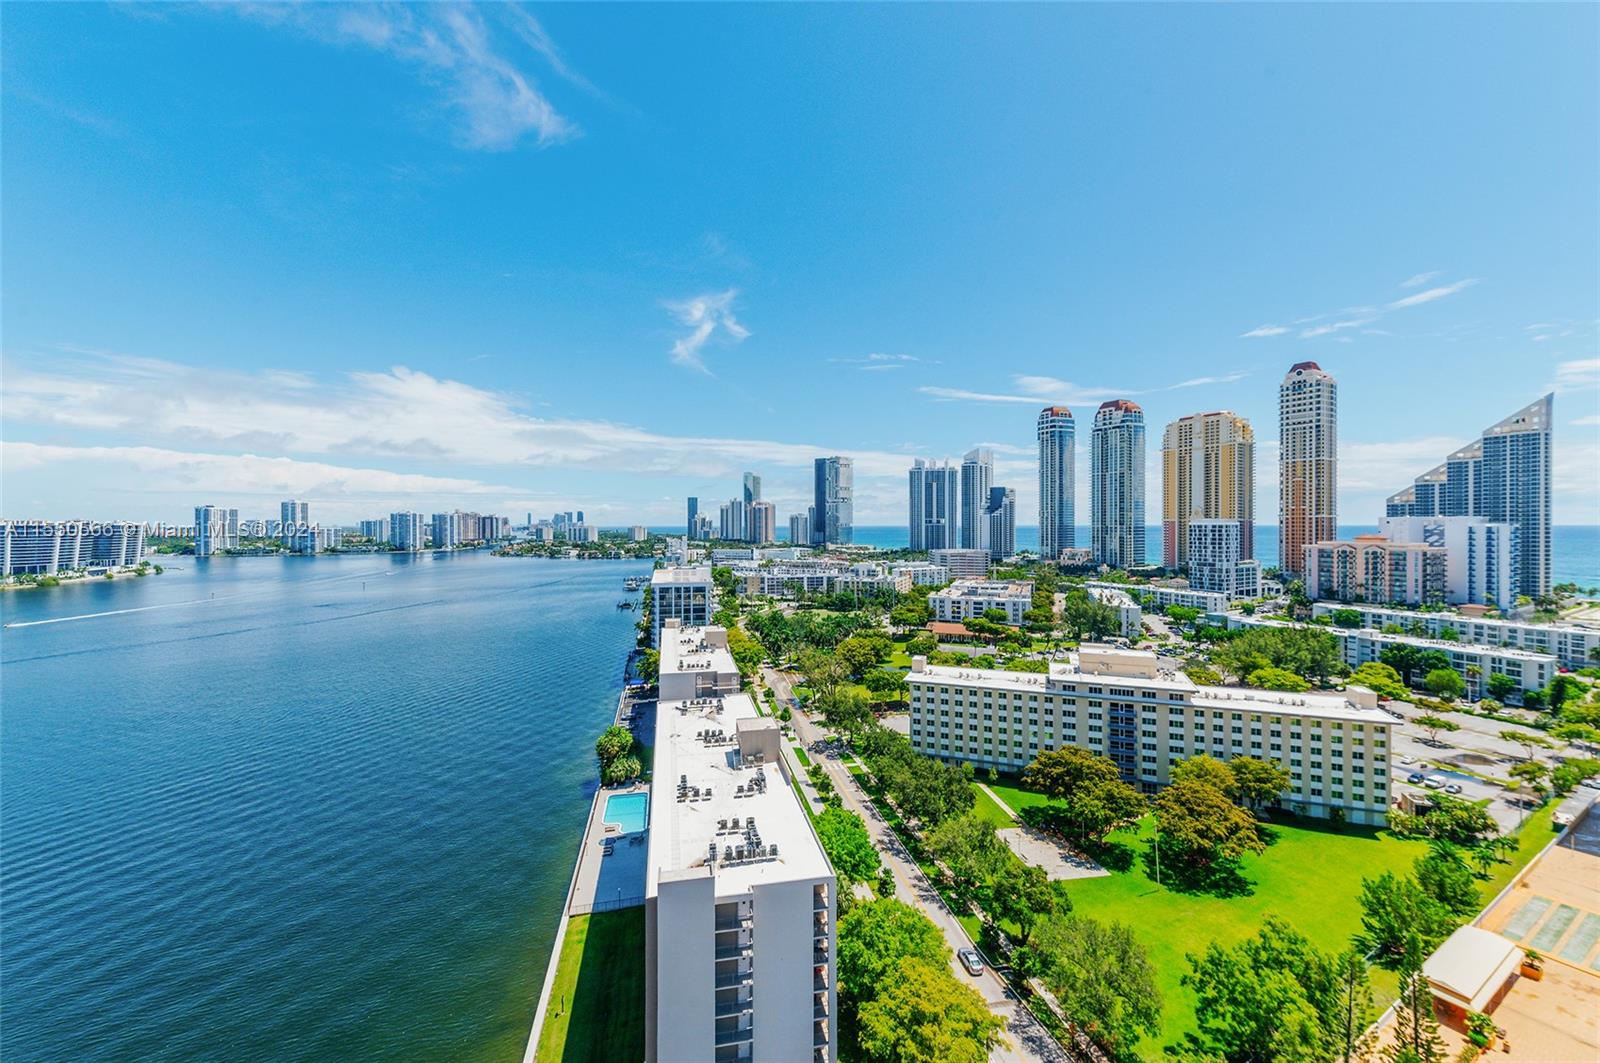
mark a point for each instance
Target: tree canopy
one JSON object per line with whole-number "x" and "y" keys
{"x": 1100, "y": 975}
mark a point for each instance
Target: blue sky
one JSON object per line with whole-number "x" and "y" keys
{"x": 603, "y": 257}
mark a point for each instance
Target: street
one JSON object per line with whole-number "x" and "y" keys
{"x": 1029, "y": 1040}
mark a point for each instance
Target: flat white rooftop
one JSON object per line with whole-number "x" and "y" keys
{"x": 698, "y": 759}
{"x": 681, "y": 574}
{"x": 987, "y": 588}
{"x": 1330, "y": 706}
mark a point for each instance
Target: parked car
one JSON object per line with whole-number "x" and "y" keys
{"x": 1408, "y": 760}
{"x": 1453, "y": 788}
{"x": 971, "y": 961}
{"x": 1415, "y": 777}
{"x": 1593, "y": 782}
{"x": 1562, "y": 819}
{"x": 1434, "y": 782}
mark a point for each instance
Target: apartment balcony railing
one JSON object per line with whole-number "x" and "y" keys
{"x": 729, "y": 1008}
{"x": 736, "y": 1036}
{"x": 733, "y": 952}
{"x": 735, "y": 978}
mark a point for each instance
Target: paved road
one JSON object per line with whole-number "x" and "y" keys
{"x": 1029, "y": 1040}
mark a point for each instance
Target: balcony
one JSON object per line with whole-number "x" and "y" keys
{"x": 735, "y": 1036}
{"x": 819, "y": 1034}
{"x": 733, "y": 952}
{"x": 731, "y": 980}
{"x": 731, "y": 1008}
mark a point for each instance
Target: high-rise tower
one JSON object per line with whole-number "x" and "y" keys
{"x": 1116, "y": 488}
{"x": 1207, "y": 473}
{"x": 833, "y": 507}
{"x": 931, "y": 515}
{"x": 1308, "y": 463}
{"x": 977, "y": 476}
{"x": 1057, "y": 481}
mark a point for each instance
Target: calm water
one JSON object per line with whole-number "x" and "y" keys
{"x": 297, "y": 809}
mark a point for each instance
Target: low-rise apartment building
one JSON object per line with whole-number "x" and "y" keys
{"x": 1124, "y": 705}
{"x": 967, "y": 598}
{"x": 922, "y": 573}
{"x": 962, "y": 564}
{"x": 1151, "y": 594}
{"x": 740, "y": 900}
{"x": 867, "y": 577}
{"x": 1572, "y": 645}
{"x": 685, "y": 594}
{"x": 1130, "y": 618}
{"x": 1532, "y": 671}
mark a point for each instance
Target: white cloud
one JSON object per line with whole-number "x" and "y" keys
{"x": 451, "y": 48}
{"x": 1333, "y": 327}
{"x": 1265, "y": 330}
{"x": 1578, "y": 375}
{"x": 705, "y": 315}
{"x": 1591, "y": 421}
{"x": 1418, "y": 280}
{"x": 1046, "y": 390}
{"x": 1431, "y": 294}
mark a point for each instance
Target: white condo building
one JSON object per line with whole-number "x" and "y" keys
{"x": 376, "y": 530}
{"x": 1124, "y": 705}
{"x": 215, "y": 529}
{"x": 1481, "y": 556}
{"x": 977, "y": 476}
{"x": 933, "y": 516}
{"x": 1308, "y": 464}
{"x": 961, "y": 563}
{"x": 1130, "y": 618}
{"x": 1154, "y": 594}
{"x": 1116, "y": 484}
{"x": 1505, "y": 478}
{"x": 740, "y": 900}
{"x": 1572, "y": 645}
{"x": 408, "y": 531}
{"x": 685, "y": 594}
{"x": 50, "y": 547}
{"x": 294, "y": 524}
{"x": 922, "y": 573}
{"x": 1057, "y": 481}
{"x": 967, "y": 598}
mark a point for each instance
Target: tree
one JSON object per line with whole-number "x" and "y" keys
{"x": 1083, "y": 616}
{"x": 1450, "y": 819}
{"x": 1102, "y": 978}
{"x": 1434, "y": 724}
{"x": 649, "y": 667}
{"x": 1273, "y": 998}
{"x": 1445, "y": 683}
{"x": 1416, "y": 1032}
{"x": 1500, "y": 687}
{"x": 1058, "y": 772}
{"x": 1379, "y": 678}
{"x": 1184, "y": 615}
{"x": 823, "y": 672}
{"x": 923, "y": 1015}
{"x": 1528, "y": 740}
{"x": 861, "y": 653}
{"x": 845, "y": 709}
{"x": 1094, "y": 798}
{"x": 1025, "y": 895}
{"x": 1258, "y": 782}
{"x": 1201, "y": 828}
{"x": 1202, "y": 675}
{"x": 615, "y": 741}
{"x": 1351, "y": 1039}
{"x": 1569, "y": 773}
{"x": 1582, "y": 735}
{"x": 1562, "y": 689}
{"x": 1412, "y": 661}
{"x": 1207, "y": 771}
{"x": 620, "y": 769}
{"x": 1348, "y": 618}
{"x": 849, "y": 847}
{"x": 874, "y": 936}
{"x": 1276, "y": 679}
{"x": 1396, "y": 913}
{"x": 1533, "y": 699}
{"x": 1443, "y": 874}
{"x": 1532, "y": 773}
{"x": 974, "y": 854}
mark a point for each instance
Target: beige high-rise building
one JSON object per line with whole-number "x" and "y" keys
{"x": 1208, "y": 472}
{"x": 1308, "y": 464}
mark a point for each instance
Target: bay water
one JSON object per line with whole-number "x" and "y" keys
{"x": 296, "y": 808}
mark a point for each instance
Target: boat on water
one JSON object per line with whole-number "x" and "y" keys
{"x": 625, "y": 604}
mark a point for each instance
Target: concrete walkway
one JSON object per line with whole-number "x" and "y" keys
{"x": 1029, "y": 1041}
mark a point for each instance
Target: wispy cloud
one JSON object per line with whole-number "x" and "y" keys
{"x": 1353, "y": 318}
{"x": 877, "y": 363}
{"x": 450, "y": 47}
{"x": 706, "y": 315}
{"x": 1578, "y": 375}
{"x": 1431, "y": 294}
{"x": 1591, "y": 421}
{"x": 1035, "y": 390}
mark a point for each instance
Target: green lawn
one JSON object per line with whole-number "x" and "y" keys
{"x": 802, "y": 757}
{"x": 596, "y": 1008}
{"x": 1015, "y": 796}
{"x": 986, "y": 809}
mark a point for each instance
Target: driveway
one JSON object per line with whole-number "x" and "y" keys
{"x": 1029, "y": 1040}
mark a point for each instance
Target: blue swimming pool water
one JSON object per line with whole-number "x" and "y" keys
{"x": 627, "y": 811}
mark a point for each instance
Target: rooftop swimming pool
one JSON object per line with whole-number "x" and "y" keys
{"x": 627, "y": 811}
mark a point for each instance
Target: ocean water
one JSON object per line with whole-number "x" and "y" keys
{"x": 1576, "y": 547}
{"x": 295, "y": 808}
